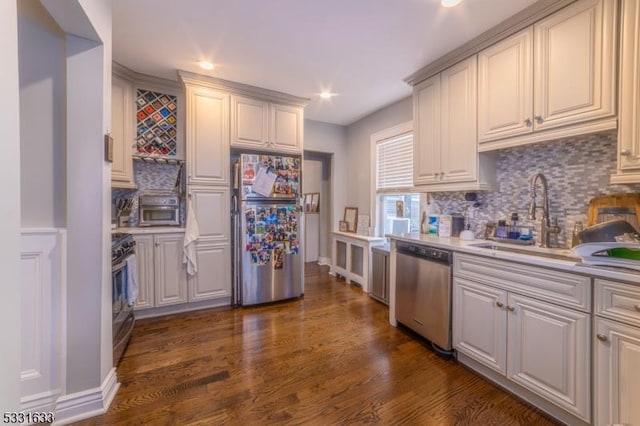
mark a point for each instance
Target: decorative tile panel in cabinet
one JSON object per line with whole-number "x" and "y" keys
{"x": 157, "y": 128}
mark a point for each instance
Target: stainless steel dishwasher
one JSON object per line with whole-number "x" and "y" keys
{"x": 423, "y": 291}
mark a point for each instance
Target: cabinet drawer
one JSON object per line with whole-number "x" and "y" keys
{"x": 558, "y": 287}
{"x": 618, "y": 301}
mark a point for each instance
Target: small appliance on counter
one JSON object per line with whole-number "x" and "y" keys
{"x": 605, "y": 208}
{"x": 614, "y": 243}
{"x": 123, "y": 210}
{"x": 159, "y": 208}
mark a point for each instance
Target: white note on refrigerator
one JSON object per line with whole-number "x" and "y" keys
{"x": 263, "y": 183}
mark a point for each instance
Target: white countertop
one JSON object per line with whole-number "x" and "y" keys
{"x": 359, "y": 237}
{"x": 569, "y": 265}
{"x": 150, "y": 230}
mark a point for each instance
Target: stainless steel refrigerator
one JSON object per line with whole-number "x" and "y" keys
{"x": 267, "y": 228}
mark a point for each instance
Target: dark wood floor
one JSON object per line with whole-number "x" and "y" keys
{"x": 329, "y": 358}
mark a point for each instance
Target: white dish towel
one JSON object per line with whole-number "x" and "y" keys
{"x": 132, "y": 282}
{"x": 191, "y": 235}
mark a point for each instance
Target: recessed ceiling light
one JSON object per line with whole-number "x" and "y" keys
{"x": 326, "y": 95}
{"x": 449, "y": 3}
{"x": 205, "y": 65}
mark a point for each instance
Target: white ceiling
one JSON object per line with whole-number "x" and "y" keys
{"x": 359, "y": 49}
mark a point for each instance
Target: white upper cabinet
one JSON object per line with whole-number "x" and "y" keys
{"x": 122, "y": 132}
{"x": 249, "y": 122}
{"x": 458, "y": 162}
{"x": 207, "y": 136}
{"x": 426, "y": 140}
{"x": 263, "y": 125}
{"x": 575, "y": 64}
{"x": 505, "y": 88}
{"x": 628, "y": 170}
{"x": 286, "y": 127}
{"x": 555, "y": 79}
{"x": 445, "y": 136}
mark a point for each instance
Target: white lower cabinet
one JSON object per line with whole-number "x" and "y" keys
{"x": 213, "y": 279}
{"x": 548, "y": 352}
{"x": 170, "y": 271}
{"x": 162, "y": 277}
{"x": 543, "y": 347}
{"x": 617, "y": 353}
{"x": 479, "y": 324}
{"x": 144, "y": 268}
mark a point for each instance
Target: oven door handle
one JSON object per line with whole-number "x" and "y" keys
{"x": 121, "y": 265}
{"x": 171, "y": 207}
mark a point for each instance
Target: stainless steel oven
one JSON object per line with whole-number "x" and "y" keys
{"x": 123, "y": 289}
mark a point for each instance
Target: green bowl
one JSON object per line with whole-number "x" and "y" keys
{"x": 624, "y": 252}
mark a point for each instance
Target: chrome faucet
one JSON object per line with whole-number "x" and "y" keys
{"x": 546, "y": 229}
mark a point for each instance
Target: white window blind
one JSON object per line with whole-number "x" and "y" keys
{"x": 394, "y": 168}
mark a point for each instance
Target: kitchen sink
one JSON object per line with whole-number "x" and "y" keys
{"x": 559, "y": 254}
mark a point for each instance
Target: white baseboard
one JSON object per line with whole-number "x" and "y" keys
{"x": 324, "y": 261}
{"x": 41, "y": 403}
{"x": 88, "y": 403}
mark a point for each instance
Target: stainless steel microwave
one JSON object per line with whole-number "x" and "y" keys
{"x": 159, "y": 210}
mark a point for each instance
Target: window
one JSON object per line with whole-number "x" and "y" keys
{"x": 397, "y": 205}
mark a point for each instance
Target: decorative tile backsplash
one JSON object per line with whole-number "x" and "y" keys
{"x": 577, "y": 169}
{"x": 150, "y": 176}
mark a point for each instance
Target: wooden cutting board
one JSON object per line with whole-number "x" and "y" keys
{"x": 631, "y": 201}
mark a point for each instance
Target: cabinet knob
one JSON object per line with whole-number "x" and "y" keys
{"x": 636, "y": 307}
{"x": 157, "y": 244}
{"x": 527, "y": 122}
{"x": 625, "y": 153}
{"x": 510, "y": 308}
{"x": 601, "y": 337}
{"x": 499, "y": 304}
{"x": 538, "y": 119}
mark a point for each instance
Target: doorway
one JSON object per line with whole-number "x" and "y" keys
{"x": 317, "y": 187}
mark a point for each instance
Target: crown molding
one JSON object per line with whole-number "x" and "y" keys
{"x": 521, "y": 20}
{"x": 190, "y": 78}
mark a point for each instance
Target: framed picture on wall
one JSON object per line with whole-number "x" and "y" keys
{"x": 307, "y": 203}
{"x": 343, "y": 227}
{"x": 315, "y": 202}
{"x": 351, "y": 217}
{"x": 312, "y": 202}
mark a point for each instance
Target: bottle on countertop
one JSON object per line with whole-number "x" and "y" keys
{"x": 433, "y": 218}
{"x": 575, "y": 236}
{"x": 514, "y": 230}
{"x": 502, "y": 230}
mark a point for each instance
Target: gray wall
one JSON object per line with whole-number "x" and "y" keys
{"x": 87, "y": 56}
{"x": 359, "y": 150}
{"x": 330, "y": 141}
{"x": 42, "y": 106}
{"x": 10, "y": 302}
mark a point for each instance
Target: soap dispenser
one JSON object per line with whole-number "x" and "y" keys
{"x": 467, "y": 234}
